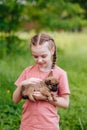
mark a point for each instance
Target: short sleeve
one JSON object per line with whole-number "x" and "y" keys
{"x": 63, "y": 85}
{"x": 21, "y": 78}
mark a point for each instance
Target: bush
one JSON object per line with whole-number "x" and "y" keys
{"x": 11, "y": 45}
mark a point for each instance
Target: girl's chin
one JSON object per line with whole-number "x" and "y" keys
{"x": 42, "y": 66}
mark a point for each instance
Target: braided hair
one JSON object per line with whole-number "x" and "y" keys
{"x": 40, "y": 39}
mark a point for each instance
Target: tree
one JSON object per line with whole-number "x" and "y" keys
{"x": 39, "y": 14}
{"x": 10, "y": 15}
{"x": 55, "y": 15}
{"x": 11, "y": 19}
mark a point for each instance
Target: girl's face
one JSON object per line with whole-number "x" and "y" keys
{"x": 42, "y": 55}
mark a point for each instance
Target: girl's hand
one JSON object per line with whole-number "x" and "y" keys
{"x": 38, "y": 96}
{"x": 30, "y": 81}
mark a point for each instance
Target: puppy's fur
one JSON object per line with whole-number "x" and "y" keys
{"x": 45, "y": 87}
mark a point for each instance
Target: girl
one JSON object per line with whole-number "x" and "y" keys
{"x": 42, "y": 114}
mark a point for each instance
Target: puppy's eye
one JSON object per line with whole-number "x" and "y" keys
{"x": 54, "y": 85}
{"x": 48, "y": 82}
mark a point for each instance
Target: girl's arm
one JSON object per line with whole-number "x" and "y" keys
{"x": 62, "y": 101}
{"x": 17, "y": 96}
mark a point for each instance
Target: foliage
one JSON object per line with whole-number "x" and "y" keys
{"x": 11, "y": 44}
{"x": 26, "y": 15}
{"x": 40, "y": 14}
{"x": 10, "y": 15}
{"x": 53, "y": 15}
{"x": 10, "y": 21}
{"x": 83, "y": 4}
{"x": 72, "y": 51}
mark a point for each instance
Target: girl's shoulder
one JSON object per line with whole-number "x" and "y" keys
{"x": 29, "y": 68}
{"x": 59, "y": 69}
{"x": 59, "y": 72}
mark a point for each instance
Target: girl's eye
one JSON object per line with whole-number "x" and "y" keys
{"x": 35, "y": 56}
{"x": 43, "y": 56}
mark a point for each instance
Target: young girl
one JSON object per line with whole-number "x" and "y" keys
{"x": 42, "y": 114}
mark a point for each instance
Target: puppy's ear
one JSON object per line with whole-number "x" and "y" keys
{"x": 48, "y": 82}
{"x": 23, "y": 88}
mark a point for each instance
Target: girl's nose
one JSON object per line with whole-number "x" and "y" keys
{"x": 39, "y": 59}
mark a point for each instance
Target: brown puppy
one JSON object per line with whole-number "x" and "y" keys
{"x": 45, "y": 87}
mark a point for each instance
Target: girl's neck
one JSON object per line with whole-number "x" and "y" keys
{"x": 45, "y": 69}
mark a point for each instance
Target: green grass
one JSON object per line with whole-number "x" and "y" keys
{"x": 72, "y": 52}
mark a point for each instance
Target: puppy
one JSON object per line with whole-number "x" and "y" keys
{"x": 50, "y": 84}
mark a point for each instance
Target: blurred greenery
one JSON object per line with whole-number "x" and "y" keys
{"x": 28, "y": 15}
{"x": 71, "y": 51}
{"x": 40, "y": 14}
{"x": 19, "y": 20}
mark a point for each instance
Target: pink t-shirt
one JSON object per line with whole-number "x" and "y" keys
{"x": 41, "y": 115}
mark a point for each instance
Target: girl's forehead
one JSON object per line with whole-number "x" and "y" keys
{"x": 40, "y": 49}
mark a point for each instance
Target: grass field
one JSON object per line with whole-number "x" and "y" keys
{"x": 72, "y": 57}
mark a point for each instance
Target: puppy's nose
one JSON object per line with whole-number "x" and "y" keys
{"x": 54, "y": 88}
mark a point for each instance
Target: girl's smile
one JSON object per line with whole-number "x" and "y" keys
{"x": 42, "y": 56}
